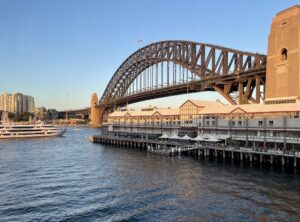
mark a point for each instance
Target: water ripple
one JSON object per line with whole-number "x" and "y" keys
{"x": 69, "y": 179}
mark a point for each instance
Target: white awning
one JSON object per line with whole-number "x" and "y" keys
{"x": 212, "y": 139}
{"x": 164, "y": 136}
{"x": 186, "y": 137}
{"x": 175, "y": 137}
{"x": 198, "y": 138}
{"x": 223, "y": 137}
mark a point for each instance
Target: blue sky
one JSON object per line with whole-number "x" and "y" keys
{"x": 54, "y": 48}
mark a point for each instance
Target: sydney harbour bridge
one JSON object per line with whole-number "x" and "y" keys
{"x": 178, "y": 67}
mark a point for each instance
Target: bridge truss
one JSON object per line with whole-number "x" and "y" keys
{"x": 178, "y": 67}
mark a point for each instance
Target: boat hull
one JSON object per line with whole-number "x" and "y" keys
{"x": 31, "y": 133}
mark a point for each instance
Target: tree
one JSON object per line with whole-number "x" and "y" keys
{"x": 22, "y": 117}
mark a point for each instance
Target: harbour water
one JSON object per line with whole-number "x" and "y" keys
{"x": 70, "y": 179}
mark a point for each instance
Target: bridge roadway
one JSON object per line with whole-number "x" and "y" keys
{"x": 209, "y": 84}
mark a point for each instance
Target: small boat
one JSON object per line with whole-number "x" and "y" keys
{"x": 26, "y": 131}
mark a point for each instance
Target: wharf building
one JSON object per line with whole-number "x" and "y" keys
{"x": 253, "y": 125}
{"x": 16, "y": 103}
{"x": 271, "y": 125}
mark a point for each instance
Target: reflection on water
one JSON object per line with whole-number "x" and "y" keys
{"x": 70, "y": 179}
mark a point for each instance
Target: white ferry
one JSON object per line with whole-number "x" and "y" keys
{"x": 26, "y": 131}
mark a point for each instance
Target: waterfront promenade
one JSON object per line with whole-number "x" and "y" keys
{"x": 164, "y": 147}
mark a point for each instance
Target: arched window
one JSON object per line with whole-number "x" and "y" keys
{"x": 284, "y": 54}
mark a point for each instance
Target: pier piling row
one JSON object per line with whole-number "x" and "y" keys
{"x": 252, "y": 155}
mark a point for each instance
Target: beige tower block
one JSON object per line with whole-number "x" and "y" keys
{"x": 95, "y": 112}
{"x": 283, "y": 62}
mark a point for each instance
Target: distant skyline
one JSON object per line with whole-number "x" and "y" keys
{"x": 61, "y": 51}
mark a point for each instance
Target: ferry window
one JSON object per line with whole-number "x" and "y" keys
{"x": 260, "y": 123}
{"x": 284, "y": 54}
{"x": 271, "y": 123}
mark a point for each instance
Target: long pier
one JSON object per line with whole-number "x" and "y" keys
{"x": 255, "y": 155}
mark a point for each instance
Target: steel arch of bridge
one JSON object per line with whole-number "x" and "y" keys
{"x": 220, "y": 69}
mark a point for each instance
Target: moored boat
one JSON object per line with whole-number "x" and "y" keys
{"x": 26, "y": 131}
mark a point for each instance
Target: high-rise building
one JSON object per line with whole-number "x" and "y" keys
{"x": 30, "y": 105}
{"x": 4, "y": 104}
{"x": 16, "y": 103}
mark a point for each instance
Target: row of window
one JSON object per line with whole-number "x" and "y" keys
{"x": 239, "y": 123}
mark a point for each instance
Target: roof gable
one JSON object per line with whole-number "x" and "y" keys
{"x": 238, "y": 110}
{"x": 127, "y": 114}
{"x": 156, "y": 114}
{"x": 189, "y": 101}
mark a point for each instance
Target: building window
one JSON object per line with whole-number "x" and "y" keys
{"x": 284, "y": 54}
{"x": 240, "y": 123}
{"x": 213, "y": 123}
{"x": 260, "y": 123}
{"x": 207, "y": 123}
{"x": 284, "y": 23}
{"x": 271, "y": 123}
{"x": 232, "y": 123}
